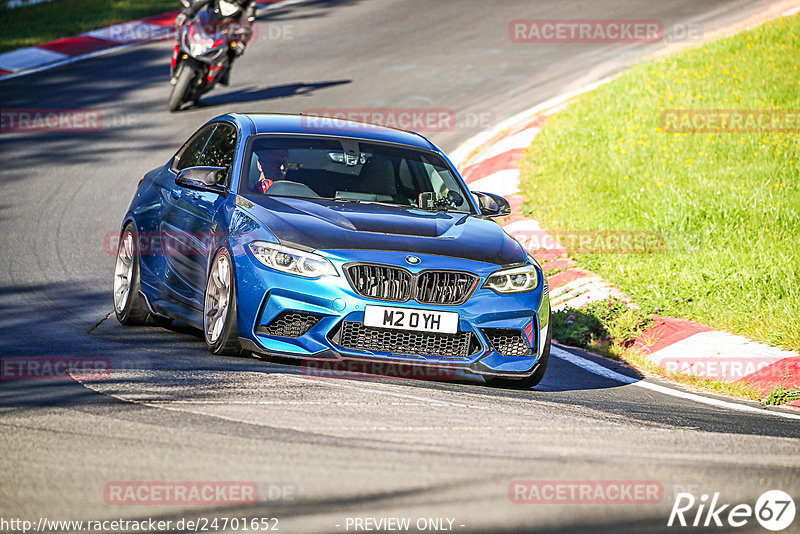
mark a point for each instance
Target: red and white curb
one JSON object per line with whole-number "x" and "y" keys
{"x": 98, "y": 42}
{"x": 63, "y": 51}
{"x": 491, "y": 162}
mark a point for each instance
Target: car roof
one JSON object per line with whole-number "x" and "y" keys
{"x": 263, "y": 123}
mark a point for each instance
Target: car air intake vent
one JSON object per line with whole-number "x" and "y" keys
{"x": 384, "y": 282}
{"x": 444, "y": 287}
{"x": 508, "y": 342}
{"x": 380, "y": 282}
{"x": 354, "y": 335}
{"x": 290, "y": 324}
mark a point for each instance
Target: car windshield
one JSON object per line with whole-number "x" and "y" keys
{"x": 350, "y": 170}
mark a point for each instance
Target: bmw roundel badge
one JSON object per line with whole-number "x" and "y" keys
{"x": 412, "y": 260}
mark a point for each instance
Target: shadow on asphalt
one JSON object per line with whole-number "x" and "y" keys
{"x": 58, "y": 318}
{"x": 76, "y": 88}
{"x": 268, "y": 93}
{"x": 397, "y": 503}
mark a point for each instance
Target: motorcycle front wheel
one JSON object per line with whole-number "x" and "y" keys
{"x": 181, "y": 88}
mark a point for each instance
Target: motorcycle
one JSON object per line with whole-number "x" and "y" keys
{"x": 201, "y": 57}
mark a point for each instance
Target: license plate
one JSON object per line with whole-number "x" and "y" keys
{"x": 411, "y": 319}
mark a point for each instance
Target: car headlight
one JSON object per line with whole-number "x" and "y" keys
{"x": 516, "y": 280}
{"x": 291, "y": 260}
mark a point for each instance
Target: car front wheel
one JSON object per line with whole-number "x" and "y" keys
{"x": 128, "y": 303}
{"x": 219, "y": 310}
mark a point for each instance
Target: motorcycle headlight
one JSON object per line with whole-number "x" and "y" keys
{"x": 291, "y": 260}
{"x": 197, "y": 49}
{"x": 516, "y": 280}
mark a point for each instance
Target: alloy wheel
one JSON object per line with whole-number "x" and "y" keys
{"x": 123, "y": 271}
{"x": 217, "y": 300}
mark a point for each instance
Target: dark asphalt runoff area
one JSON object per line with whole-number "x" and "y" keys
{"x": 326, "y": 451}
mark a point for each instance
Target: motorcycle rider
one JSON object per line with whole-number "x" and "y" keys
{"x": 227, "y": 12}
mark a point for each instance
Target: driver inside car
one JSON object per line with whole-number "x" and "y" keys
{"x": 272, "y": 166}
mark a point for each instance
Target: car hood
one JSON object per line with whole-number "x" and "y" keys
{"x": 328, "y": 225}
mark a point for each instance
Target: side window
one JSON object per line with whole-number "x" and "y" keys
{"x": 437, "y": 181}
{"x": 221, "y": 147}
{"x": 405, "y": 175}
{"x": 190, "y": 155}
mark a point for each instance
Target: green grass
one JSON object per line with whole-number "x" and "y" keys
{"x": 599, "y": 325}
{"x": 727, "y": 204}
{"x": 779, "y": 396}
{"x": 40, "y": 23}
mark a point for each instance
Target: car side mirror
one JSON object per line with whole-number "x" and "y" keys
{"x": 492, "y": 205}
{"x": 210, "y": 179}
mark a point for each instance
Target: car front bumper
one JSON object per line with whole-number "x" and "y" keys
{"x": 264, "y": 294}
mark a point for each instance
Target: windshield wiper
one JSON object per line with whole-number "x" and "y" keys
{"x": 360, "y": 201}
{"x": 444, "y": 209}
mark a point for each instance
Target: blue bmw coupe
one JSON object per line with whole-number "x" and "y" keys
{"x": 314, "y": 238}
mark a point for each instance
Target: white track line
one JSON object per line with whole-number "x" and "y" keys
{"x": 460, "y": 155}
{"x": 22, "y": 58}
{"x": 599, "y": 370}
{"x": 521, "y": 140}
{"x": 504, "y": 183}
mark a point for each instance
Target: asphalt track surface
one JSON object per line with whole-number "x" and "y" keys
{"x": 373, "y": 446}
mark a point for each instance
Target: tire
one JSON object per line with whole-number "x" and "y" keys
{"x": 219, "y": 307}
{"x": 537, "y": 376}
{"x": 129, "y": 305}
{"x": 180, "y": 89}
